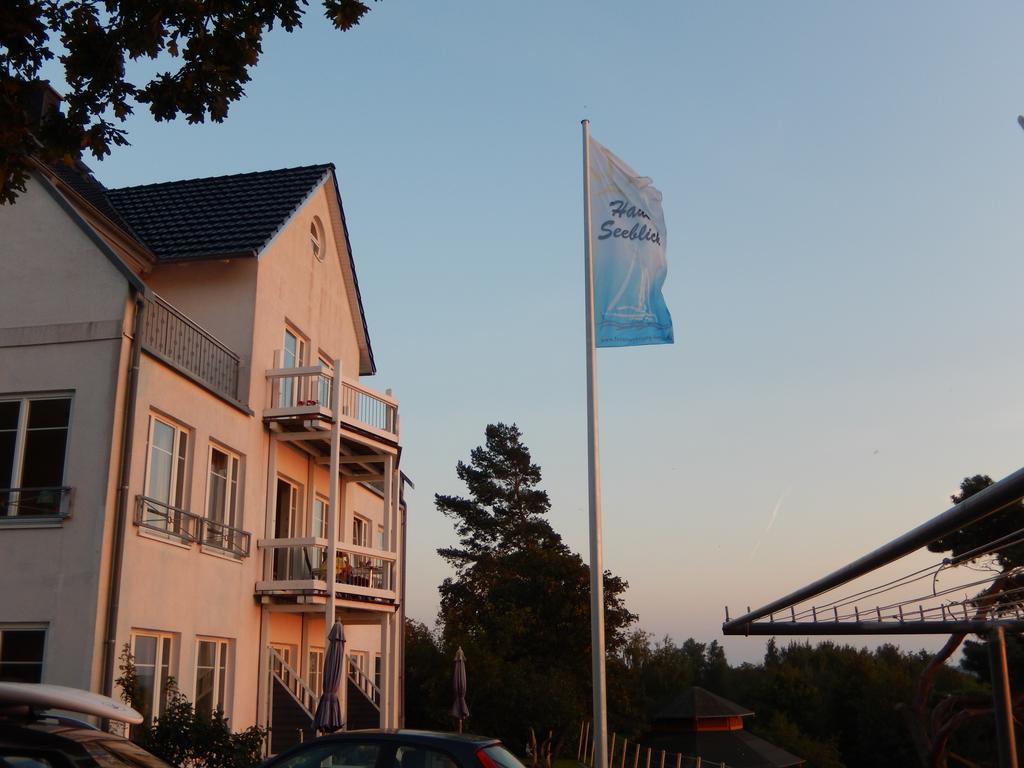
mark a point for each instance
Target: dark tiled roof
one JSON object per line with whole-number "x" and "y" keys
{"x": 737, "y": 749}
{"x": 218, "y": 217}
{"x": 695, "y": 703}
{"x": 79, "y": 179}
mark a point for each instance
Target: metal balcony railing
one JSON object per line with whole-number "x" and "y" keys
{"x": 162, "y": 517}
{"x": 169, "y": 334}
{"x": 34, "y": 503}
{"x": 234, "y": 541}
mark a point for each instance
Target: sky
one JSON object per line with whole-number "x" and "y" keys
{"x": 842, "y": 185}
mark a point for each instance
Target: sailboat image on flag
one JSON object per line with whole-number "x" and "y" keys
{"x": 623, "y": 269}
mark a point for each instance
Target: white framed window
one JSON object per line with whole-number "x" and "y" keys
{"x": 167, "y": 478}
{"x": 222, "y": 499}
{"x": 152, "y": 652}
{"x": 325, "y": 382}
{"x": 315, "y": 673}
{"x": 212, "y": 662}
{"x": 360, "y": 531}
{"x": 33, "y": 451}
{"x": 293, "y": 355}
{"x": 21, "y": 653}
{"x": 289, "y": 563}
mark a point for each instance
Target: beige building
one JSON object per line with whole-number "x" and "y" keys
{"x": 190, "y": 463}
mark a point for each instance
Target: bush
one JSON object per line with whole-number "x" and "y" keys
{"x": 183, "y": 737}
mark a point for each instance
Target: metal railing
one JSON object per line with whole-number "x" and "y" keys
{"x": 173, "y": 336}
{"x": 49, "y": 502}
{"x": 234, "y": 541}
{"x": 363, "y": 682}
{"x": 159, "y": 516}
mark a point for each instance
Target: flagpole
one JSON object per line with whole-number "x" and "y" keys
{"x": 596, "y": 565}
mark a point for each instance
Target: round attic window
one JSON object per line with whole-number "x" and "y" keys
{"x": 316, "y": 238}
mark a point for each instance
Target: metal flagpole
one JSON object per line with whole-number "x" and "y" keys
{"x": 596, "y": 566}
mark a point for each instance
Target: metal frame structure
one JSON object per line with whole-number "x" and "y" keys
{"x": 781, "y": 617}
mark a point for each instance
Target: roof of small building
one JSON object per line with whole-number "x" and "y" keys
{"x": 216, "y": 217}
{"x": 696, "y": 703}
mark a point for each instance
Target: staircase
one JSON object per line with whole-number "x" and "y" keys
{"x": 291, "y": 706}
{"x": 363, "y": 699}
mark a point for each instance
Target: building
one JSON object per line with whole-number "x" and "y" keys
{"x": 182, "y": 410}
{"x": 698, "y": 723}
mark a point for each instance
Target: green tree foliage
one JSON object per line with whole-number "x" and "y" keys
{"x": 186, "y": 738}
{"x": 204, "y": 53}
{"x": 519, "y": 602}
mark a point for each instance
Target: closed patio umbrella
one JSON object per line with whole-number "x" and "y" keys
{"x": 328, "y": 717}
{"x": 460, "y": 710}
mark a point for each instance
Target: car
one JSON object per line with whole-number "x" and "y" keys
{"x": 33, "y": 736}
{"x": 396, "y": 749}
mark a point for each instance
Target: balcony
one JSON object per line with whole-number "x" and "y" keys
{"x": 178, "y": 524}
{"x": 170, "y": 336}
{"x": 297, "y": 566}
{"x": 31, "y": 506}
{"x": 303, "y": 396}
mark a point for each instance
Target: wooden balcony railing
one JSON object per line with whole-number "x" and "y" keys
{"x": 306, "y": 392}
{"x": 301, "y": 564}
{"x": 170, "y": 335}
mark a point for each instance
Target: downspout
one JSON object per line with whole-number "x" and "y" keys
{"x": 121, "y": 513}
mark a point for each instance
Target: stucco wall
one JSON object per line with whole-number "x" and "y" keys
{"x": 62, "y": 309}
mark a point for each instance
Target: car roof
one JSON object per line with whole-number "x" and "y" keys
{"x": 417, "y": 737}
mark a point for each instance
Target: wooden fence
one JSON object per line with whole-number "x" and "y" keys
{"x": 623, "y": 754}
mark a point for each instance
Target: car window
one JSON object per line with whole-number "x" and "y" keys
{"x": 502, "y": 757}
{"x": 10, "y": 759}
{"x": 420, "y": 757}
{"x": 332, "y": 755}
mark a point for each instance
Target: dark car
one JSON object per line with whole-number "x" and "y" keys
{"x": 31, "y": 736}
{"x": 397, "y": 749}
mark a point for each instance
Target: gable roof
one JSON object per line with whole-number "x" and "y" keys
{"x": 696, "y": 703}
{"x": 218, "y": 217}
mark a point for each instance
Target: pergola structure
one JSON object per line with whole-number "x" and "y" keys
{"x": 940, "y": 598}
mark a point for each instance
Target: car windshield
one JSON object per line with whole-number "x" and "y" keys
{"x": 502, "y": 757}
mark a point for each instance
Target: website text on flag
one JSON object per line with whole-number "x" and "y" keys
{"x": 623, "y": 276}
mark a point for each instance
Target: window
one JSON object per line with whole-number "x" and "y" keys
{"x": 222, "y": 500}
{"x": 166, "y": 478}
{"x": 315, "y": 675}
{"x": 211, "y": 676}
{"x": 21, "y": 654}
{"x": 352, "y": 754}
{"x": 152, "y": 653}
{"x": 420, "y": 757}
{"x": 293, "y": 355}
{"x": 316, "y": 238}
{"x": 377, "y": 670}
{"x": 33, "y": 445}
{"x": 360, "y": 531}
{"x": 324, "y": 382}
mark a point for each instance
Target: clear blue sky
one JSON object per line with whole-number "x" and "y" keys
{"x": 843, "y": 185}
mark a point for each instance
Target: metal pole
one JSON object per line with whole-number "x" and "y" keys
{"x": 1001, "y": 698}
{"x": 987, "y": 502}
{"x": 596, "y": 565}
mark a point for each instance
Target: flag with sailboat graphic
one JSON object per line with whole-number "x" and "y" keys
{"x": 629, "y": 254}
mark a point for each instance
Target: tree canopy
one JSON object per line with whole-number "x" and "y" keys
{"x": 204, "y": 51}
{"x": 519, "y": 602}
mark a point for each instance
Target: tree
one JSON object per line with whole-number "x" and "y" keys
{"x": 208, "y": 48}
{"x": 932, "y": 726}
{"x": 519, "y": 602}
